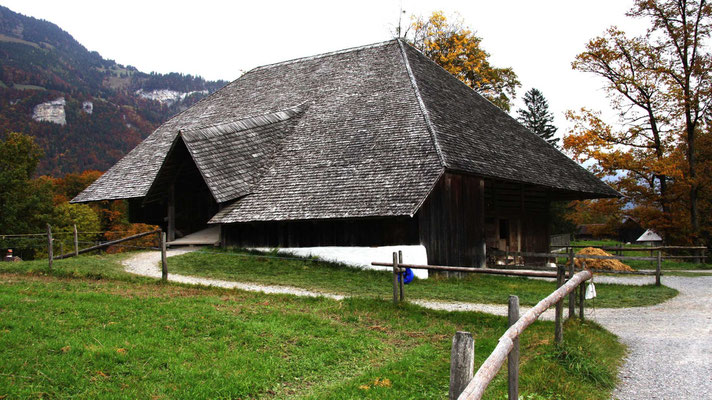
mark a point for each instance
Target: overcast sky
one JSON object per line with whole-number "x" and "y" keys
{"x": 222, "y": 39}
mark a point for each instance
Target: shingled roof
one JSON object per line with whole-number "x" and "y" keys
{"x": 362, "y": 132}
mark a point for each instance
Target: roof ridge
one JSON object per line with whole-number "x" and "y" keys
{"x": 421, "y": 104}
{"x": 571, "y": 161}
{"x": 322, "y": 55}
{"x": 242, "y": 124}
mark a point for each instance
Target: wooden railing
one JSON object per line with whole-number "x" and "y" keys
{"x": 508, "y": 343}
{"x": 77, "y": 251}
{"x": 465, "y": 386}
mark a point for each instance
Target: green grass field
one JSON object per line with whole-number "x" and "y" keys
{"x": 86, "y": 330}
{"x": 335, "y": 278}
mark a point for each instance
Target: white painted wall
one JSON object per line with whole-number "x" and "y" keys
{"x": 363, "y": 256}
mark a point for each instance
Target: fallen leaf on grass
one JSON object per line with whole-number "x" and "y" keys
{"x": 382, "y": 382}
{"x": 66, "y": 349}
{"x": 121, "y": 350}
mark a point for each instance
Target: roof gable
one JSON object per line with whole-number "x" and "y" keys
{"x": 232, "y": 157}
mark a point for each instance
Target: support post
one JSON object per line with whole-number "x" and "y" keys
{"x": 171, "y": 225}
{"x": 401, "y": 275}
{"x": 506, "y": 255}
{"x": 513, "y": 357}
{"x": 164, "y": 264}
{"x": 703, "y": 260}
{"x": 582, "y": 294}
{"x": 76, "y": 241}
{"x": 559, "y": 329}
{"x": 658, "y": 266}
{"x": 462, "y": 363}
{"x": 50, "y": 248}
{"x": 395, "y": 278}
{"x": 572, "y": 295}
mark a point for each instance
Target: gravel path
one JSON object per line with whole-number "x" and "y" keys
{"x": 670, "y": 344}
{"x": 146, "y": 264}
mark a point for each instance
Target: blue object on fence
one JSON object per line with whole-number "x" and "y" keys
{"x": 407, "y": 276}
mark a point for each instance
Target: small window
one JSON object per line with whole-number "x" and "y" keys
{"x": 503, "y": 229}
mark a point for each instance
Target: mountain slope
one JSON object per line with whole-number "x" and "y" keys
{"x": 83, "y": 110}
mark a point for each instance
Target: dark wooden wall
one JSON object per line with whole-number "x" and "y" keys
{"x": 451, "y": 222}
{"x": 524, "y": 209}
{"x": 178, "y": 180}
{"x": 311, "y": 233}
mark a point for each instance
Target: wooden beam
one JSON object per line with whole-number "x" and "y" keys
{"x": 50, "y": 247}
{"x": 171, "y": 225}
{"x": 462, "y": 363}
{"x": 476, "y": 388}
{"x": 513, "y": 358}
{"x": 106, "y": 244}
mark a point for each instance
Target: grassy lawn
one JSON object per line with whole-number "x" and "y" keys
{"x": 637, "y": 264}
{"x": 65, "y": 336}
{"x": 336, "y": 278}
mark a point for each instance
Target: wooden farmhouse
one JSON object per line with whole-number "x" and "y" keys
{"x": 370, "y": 146}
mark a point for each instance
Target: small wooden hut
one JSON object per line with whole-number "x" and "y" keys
{"x": 370, "y": 146}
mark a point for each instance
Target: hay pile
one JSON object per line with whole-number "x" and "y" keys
{"x": 593, "y": 263}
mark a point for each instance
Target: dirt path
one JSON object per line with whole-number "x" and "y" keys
{"x": 670, "y": 344}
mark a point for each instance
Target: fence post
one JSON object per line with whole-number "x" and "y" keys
{"x": 703, "y": 260}
{"x": 462, "y": 363}
{"x": 572, "y": 295}
{"x": 164, "y": 264}
{"x": 559, "y": 330}
{"x": 513, "y": 357}
{"x": 395, "y": 278}
{"x": 401, "y": 275}
{"x": 76, "y": 241}
{"x": 657, "y": 268}
{"x": 582, "y": 293}
{"x": 50, "y": 249}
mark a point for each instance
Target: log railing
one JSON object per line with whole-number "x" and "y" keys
{"x": 508, "y": 343}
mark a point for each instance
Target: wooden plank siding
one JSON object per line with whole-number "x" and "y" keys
{"x": 313, "y": 233}
{"x": 525, "y": 209}
{"x": 451, "y": 222}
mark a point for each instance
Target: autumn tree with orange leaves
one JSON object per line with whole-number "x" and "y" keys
{"x": 457, "y": 49}
{"x": 659, "y": 84}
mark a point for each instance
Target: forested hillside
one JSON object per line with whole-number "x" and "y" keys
{"x": 84, "y": 111}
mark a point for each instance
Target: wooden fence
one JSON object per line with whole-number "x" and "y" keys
{"x": 465, "y": 386}
{"x": 508, "y": 345}
{"x": 561, "y": 240}
{"x": 77, "y": 251}
{"x": 699, "y": 252}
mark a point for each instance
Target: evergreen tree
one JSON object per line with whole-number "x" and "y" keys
{"x": 537, "y": 116}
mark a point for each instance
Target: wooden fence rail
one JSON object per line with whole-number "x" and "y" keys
{"x": 476, "y": 388}
{"x": 105, "y": 244}
{"x": 639, "y": 248}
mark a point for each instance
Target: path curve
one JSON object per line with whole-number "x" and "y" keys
{"x": 146, "y": 264}
{"x": 670, "y": 344}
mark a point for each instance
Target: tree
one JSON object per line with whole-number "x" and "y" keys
{"x": 537, "y": 116}
{"x": 660, "y": 85}
{"x": 25, "y": 204}
{"x": 458, "y": 50}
